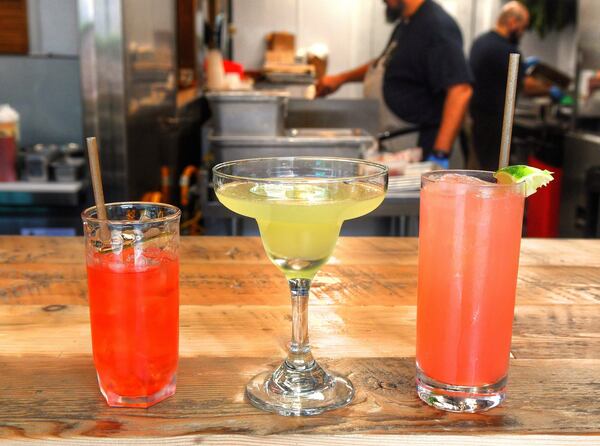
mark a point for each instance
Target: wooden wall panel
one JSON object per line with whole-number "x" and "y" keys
{"x": 13, "y": 27}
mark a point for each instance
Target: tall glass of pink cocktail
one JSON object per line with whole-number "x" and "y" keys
{"x": 469, "y": 241}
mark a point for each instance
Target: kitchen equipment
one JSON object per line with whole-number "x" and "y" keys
{"x": 592, "y": 186}
{"x": 333, "y": 113}
{"x": 547, "y": 73}
{"x": 581, "y": 156}
{"x": 72, "y": 150}
{"x": 410, "y": 181}
{"x": 38, "y": 160}
{"x": 248, "y": 113}
{"x": 282, "y": 77}
{"x": 587, "y": 105}
{"x": 129, "y": 91}
{"x": 67, "y": 169}
{"x": 348, "y": 143}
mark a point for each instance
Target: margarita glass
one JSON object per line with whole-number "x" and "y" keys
{"x": 300, "y": 204}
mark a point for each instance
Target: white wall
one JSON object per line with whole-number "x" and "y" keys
{"x": 253, "y": 20}
{"x": 53, "y": 27}
{"x": 45, "y": 90}
{"x": 380, "y": 31}
{"x": 355, "y": 30}
{"x": 557, "y": 48}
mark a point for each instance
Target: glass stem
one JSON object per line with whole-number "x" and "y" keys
{"x": 299, "y": 356}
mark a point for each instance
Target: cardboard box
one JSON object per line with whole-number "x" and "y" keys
{"x": 281, "y": 41}
{"x": 279, "y": 57}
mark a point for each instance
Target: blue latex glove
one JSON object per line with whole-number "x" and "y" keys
{"x": 531, "y": 61}
{"x": 556, "y": 93}
{"x": 441, "y": 161}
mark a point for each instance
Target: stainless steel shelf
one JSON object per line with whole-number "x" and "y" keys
{"x": 23, "y": 193}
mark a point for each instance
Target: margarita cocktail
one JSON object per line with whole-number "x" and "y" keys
{"x": 300, "y": 205}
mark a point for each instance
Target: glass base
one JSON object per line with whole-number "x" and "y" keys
{"x": 459, "y": 398}
{"x": 115, "y": 400}
{"x": 291, "y": 391}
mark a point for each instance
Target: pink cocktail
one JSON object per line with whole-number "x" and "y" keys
{"x": 469, "y": 241}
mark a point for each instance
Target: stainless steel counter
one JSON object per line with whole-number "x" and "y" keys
{"x": 582, "y": 152}
{"x": 22, "y": 193}
{"x": 334, "y": 113}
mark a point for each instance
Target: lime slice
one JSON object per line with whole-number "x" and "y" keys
{"x": 533, "y": 177}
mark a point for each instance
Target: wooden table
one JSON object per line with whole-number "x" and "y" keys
{"x": 235, "y": 321}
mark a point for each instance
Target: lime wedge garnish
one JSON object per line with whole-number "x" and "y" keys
{"x": 533, "y": 177}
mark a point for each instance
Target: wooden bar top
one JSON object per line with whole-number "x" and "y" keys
{"x": 235, "y": 322}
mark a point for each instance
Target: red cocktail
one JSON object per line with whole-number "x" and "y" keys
{"x": 133, "y": 283}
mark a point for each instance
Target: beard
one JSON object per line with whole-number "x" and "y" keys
{"x": 393, "y": 13}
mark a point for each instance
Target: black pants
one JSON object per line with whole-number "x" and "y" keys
{"x": 487, "y": 133}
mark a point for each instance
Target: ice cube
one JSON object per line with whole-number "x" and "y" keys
{"x": 455, "y": 178}
{"x": 145, "y": 216}
{"x": 453, "y": 184}
{"x": 300, "y": 191}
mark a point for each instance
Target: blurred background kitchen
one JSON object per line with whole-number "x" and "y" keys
{"x": 171, "y": 87}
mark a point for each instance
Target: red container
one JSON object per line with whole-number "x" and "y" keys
{"x": 8, "y": 158}
{"x": 543, "y": 207}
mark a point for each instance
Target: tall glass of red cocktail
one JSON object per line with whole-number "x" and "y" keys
{"x": 469, "y": 241}
{"x": 133, "y": 284}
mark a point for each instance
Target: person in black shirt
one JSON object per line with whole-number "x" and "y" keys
{"x": 424, "y": 79}
{"x": 489, "y": 62}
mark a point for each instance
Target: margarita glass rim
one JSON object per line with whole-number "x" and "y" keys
{"x": 382, "y": 170}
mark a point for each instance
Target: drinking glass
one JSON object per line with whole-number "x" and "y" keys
{"x": 133, "y": 285}
{"x": 300, "y": 204}
{"x": 469, "y": 241}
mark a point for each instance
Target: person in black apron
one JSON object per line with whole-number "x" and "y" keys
{"x": 422, "y": 78}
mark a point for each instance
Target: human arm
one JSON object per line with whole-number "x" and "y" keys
{"x": 535, "y": 87}
{"x": 594, "y": 82}
{"x": 455, "y": 107}
{"x": 329, "y": 84}
{"x": 448, "y": 74}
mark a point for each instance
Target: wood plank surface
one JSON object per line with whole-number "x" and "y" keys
{"x": 349, "y": 250}
{"x": 37, "y": 271}
{"x": 336, "y": 331}
{"x": 235, "y": 322}
{"x": 218, "y": 284}
{"x": 40, "y": 397}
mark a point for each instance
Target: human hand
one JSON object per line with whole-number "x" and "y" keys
{"x": 328, "y": 85}
{"x": 442, "y": 161}
{"x": 594, "y": 83}
{"x": 531, "y": 61}
{"x": 556, "y": 93}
